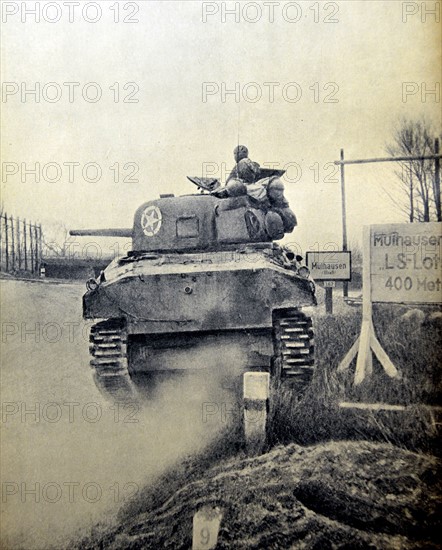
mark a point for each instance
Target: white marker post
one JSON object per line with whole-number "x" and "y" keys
{"x": 329, "y": 286}
{"x": 206, "y": 524}
{"x": 401, "y": 265}
{"x": 256, "y": 399}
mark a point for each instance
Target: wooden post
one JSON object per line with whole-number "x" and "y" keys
{"x": 12, "y": 244}
{"x": 256, "y": 399}
{"x": 344, "y": 219}
{"x": 40, "y": 240}
{"x": 329, "y": 300}
{"x": 6, "y": 243}
{"x": 437, "y": 181}
{"x": 367, "y": 310}
{"x": 1, "y": 243}
{"x": 25, "y": 245}
{"x": 37, "y": 258}
{"x": 367, "y": 339}
{"x": 18, "y": 244}
{"x": 31, "y": 248}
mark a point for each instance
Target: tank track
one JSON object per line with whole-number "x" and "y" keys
{"x": 294, "y": 349}
{"x": 294, "y": 333}
{"x": 108, "y": 348}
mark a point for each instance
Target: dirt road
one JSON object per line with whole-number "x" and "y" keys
{"x": 70, "y": 458}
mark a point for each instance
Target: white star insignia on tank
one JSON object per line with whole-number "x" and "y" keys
{"x": 151, "y": 220}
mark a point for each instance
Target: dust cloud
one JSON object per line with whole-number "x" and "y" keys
{"x": 71, "y": 457}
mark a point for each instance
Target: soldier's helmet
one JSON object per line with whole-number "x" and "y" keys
{"x": 275, "y": 189}
{"x": 240, "y": 152}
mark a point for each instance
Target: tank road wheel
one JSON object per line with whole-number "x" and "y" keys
{"x": 108, "y": 348}
{"x": 294, "y": 345}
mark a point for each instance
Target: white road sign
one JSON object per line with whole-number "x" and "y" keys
{"x": 331, "y": 266}
{"x": 405, "y": 262}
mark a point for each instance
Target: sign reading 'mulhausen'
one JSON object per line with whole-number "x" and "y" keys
{"x": 406, "y": 263}
{"x": 331, "y": 266}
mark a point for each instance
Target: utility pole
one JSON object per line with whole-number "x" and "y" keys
{"x": 1, "y": 243}
{"x": 344, "y": 217}
{"x": 18, "y": 244}
{"x": 25, "y": 245}
{"x": 37, "y": 251}
{"x": 31, "y": 248}
{"x": 437, "y": 180}
{"x": 6, "y": 243}
{"x": 12, "y": 243}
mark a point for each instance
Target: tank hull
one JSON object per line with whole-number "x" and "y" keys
{"x": 160, "y": 296}
{"x": 214, "y": 315}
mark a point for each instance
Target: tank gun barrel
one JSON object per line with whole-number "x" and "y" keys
{"x": 114, "y": 232}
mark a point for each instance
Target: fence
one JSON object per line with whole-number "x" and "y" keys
{"x": 20, "y": 245}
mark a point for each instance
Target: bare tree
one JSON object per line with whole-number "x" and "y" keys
{"x": 57, "y": 242}
{"x": 418, "y": 192}
{"x": 356, "y": 253}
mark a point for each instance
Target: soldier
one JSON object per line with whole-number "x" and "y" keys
{"x": 268, "y": 195}
{"x": 264, "y": 193}
{"x": 244, "y": 173}
{"x": 245, "y": 169}
{"x": 279, "y": 204}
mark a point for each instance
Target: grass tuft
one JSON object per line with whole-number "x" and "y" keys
{"x": 412, "y": 339}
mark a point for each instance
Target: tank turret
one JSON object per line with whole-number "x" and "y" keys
{"x": 190, "y": 222}
{"x": 206, "y": 221}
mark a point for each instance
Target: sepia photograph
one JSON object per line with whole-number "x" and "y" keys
{"x": 221, "y": 275}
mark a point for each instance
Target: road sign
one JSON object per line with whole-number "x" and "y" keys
{"x": 402, "y": 263}
{"x": 331, "y": 266}
{"x": 329, "y": 284}
{"x": 406, "y": 263}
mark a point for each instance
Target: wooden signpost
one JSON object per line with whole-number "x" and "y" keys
{"x": 402, "y": 264}
{"x": 329, "y": 267}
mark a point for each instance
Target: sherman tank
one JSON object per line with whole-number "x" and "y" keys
{"x": 205, "y": 288}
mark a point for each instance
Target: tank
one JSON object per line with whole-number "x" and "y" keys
{"x": 204, "y": 289}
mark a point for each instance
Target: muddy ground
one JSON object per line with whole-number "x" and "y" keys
{"x": 337, "y": 495}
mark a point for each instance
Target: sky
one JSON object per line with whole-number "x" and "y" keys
{"x": 338, "y": 71}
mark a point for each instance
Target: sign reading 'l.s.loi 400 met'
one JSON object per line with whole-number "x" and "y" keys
{"x": 406, "y": 263}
